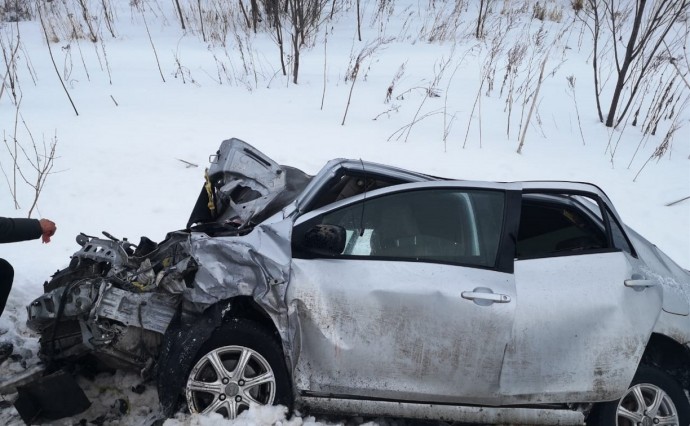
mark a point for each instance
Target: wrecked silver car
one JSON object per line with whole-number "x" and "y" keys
{"x": 372, "y": 290}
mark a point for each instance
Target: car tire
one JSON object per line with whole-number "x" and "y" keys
{"x": 242, "y": 364}
{"x": 637, "y": 406}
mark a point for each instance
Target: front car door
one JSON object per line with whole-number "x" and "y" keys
{"x": 585, "y": 310}
{"x": 419, "y": 305}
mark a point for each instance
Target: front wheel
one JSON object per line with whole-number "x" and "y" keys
{"x": 241, "y": 365}
{"x": 654, "y": 398}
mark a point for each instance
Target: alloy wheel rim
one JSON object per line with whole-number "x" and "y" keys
{"x": 646, "y": 405}
{"x": 229, "y": 380}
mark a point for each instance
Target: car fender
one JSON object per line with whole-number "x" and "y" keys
{"x": 675, "y": 302}
{"x": 255, "y": 265}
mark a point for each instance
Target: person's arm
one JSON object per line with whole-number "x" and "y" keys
{"x": 13, "y": 230}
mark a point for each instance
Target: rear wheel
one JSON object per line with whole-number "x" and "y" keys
{"x": 240, "y": 366}
{"x": 654, "y": 398}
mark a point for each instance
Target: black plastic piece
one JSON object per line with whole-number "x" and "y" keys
{"x": 52, "y": 397}
{"x": 145, "y": 247}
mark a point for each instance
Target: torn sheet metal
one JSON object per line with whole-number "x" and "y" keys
{"x": 250, "y": 265}
{"x": 256, "y": 265}
{"x": 244, "y": 184}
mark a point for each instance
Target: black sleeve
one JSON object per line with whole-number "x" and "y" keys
{"x": 13, "y": 230}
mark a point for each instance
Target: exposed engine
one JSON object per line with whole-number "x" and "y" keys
{"x": 137, "y": 307}
{"x": 115, "y": 300}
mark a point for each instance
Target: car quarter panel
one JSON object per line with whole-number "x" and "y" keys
{"x": 674, "y": 279}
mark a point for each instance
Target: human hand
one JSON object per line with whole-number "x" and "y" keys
{"x": 48, "y": 228}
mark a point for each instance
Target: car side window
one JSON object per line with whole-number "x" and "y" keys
{"x": 438, "y": 225}
{"x": 558, "y": 224}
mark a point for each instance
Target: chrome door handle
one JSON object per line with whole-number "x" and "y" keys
{"x": 639, "y": 283}
{"x": 483, "y": 297}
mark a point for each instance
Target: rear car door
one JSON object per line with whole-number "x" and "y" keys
{"x": 419, "y": 305}
{"x": 586, "y": 308}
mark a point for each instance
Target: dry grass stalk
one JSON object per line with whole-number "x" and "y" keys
{"x": 52, "y": 58}
{"x": 571, "y": 86}
{"x": 353, "y": 71}
{"x": 535, "y": 97}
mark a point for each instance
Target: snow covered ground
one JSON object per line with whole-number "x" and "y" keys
{"x": 146, "y": 103}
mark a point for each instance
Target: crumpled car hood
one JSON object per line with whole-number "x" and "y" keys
{"x": 243, "y": 185}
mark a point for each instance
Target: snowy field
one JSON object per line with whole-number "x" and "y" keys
{"x": 427, "y": 96}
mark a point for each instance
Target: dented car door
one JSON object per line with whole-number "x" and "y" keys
{"x": 418, "y": 304}
{"x": 586, "y": 307}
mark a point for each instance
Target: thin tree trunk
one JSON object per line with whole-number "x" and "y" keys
{"x": 627, "y": 60}
{"x": 332, "y": 9}
{"x": 279, "y": 32}
{"x": 359, "y": 23}
{"x": 108, "y": 18}
{"x": 179, "y": 11}
{"x": 595, "y": 63}
{"x": 295, "y": 59}
{"x": 300, "y": 16}
{"x": 255, "y": 14}
{"x": 297, "y": 20}
{"x": 480, "y": 22}
{"x": 244, "y": 13}
{"x": 201, "y": 21}
{"x": 645, "y": 66}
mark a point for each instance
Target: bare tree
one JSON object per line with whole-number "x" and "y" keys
{"x": 594, "y": 23}
{"x": 108, "y": 16}
{"x": 201, "y": 20}
{"x": 255, "y": 14}
{"x": 9, "y": 56}
{"x": 297, "y": 21}
{"x": 359, "y": 23}
{"x": 304, "y": 17}
{"x": 179, "y": 12}
{"x": 273, "y": 12}
{"x": 88, "y": 20}
{"x": 637, "y": 32}
{"x": 33, "y": 165}
{"x": 481, "y": 18}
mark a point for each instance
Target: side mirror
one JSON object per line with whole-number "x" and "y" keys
{"x": 326, "y": 240}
